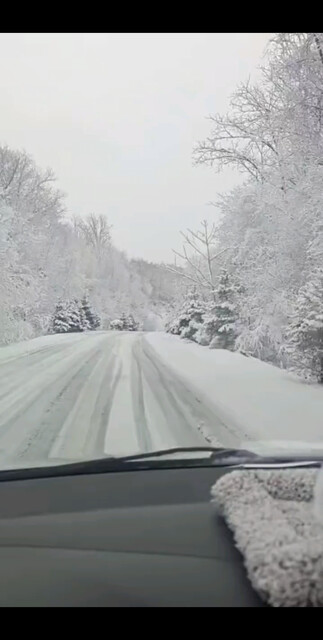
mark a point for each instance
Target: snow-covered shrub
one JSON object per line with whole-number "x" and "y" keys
{"x": 116, "y": 325}
{"x": 124, "y": 323}
{"x": 173, "y": 326}
{"x": 259, "y": 341}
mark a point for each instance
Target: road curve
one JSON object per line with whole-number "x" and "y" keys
{"x": 79, "y": 396}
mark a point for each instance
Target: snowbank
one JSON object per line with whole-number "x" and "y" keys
{"x": 17, "y": 349}
{"x": 264, "y": 402}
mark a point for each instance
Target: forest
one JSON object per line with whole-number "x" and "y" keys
{"x": 51, "y": 261}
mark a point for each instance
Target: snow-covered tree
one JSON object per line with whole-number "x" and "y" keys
{"x": 116, "y": 325}
{"x": 189, "y": 318}
{"x": 95, "y": 230}
{"x": 225, "y": 315}
{"x": 91, "y": 319}
{"x": 199, "y": 258}
{"x": 207, "y": 329}
{"x": 61, "y": 319}
{"x": 304, "y": 343}
{"x": 124, "y": 321}
{"x": 76, "y": 318}
{"x": 68, "y": 317}
{"x": 132, "y": 325}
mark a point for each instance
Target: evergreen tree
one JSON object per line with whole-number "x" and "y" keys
{"x": 60, "y": 320}
{"x": 225, "y": 316}
{"x": 207, "y": 329}
{"x": 131, "y": 323}
{"x": 90, "y": 318}
{"x": 95, "y": 320}
{"x": 76, "y": 318}
{"x": 190, "y": 318}
{"x": 304, "y": 346}
{"x": 124, "y": 322}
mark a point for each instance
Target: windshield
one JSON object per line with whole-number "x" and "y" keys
{"x": 134, "y": 318}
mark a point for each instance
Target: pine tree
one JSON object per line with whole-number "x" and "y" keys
{"x": 304, "y": 345}
{"x": 86, "y": 313}
{"x": 60, "y": 320}
{"x": 225, "y": 316}
{"x": 96, "y": 322}
{"x": 91, "y": 319}
{"x": 76, "y": 319}
{"x": 207, "y": 329}
{"x": 124, "y": 322}
{"x": 131, "y": 323}
{"x": 190, "y": 318}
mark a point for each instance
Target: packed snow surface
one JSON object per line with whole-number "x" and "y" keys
{"x": 79, "y": 396}
{"x": 259, "y": 400}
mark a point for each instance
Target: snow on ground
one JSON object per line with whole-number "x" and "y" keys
{"x": 72, "y": 397}
{"x": 26, "y": 347}
{"x": 260, "y": 400}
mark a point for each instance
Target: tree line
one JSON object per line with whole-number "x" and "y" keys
{"x": 269, "y": 240}
{"x": 50, "y": 260}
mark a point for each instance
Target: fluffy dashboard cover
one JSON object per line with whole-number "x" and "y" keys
{"x": 275, "y": 517}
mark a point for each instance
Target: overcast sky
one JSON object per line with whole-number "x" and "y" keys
{"x": 116, "y": 117}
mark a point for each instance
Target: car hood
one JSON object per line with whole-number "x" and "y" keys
{"x": 283, "y": 447}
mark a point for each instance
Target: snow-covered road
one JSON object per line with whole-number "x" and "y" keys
{"x": 82, "y": 395}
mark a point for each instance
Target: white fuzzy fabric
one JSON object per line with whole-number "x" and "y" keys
{"x": 275, "y": 526}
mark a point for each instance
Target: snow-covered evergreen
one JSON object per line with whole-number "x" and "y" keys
{"x": 61, "y": 319}
{"x": 207, "y": 329}
{"x": 190, "y": 317}
{"x": 225, "y": 316}
{"x": 132, "y": 325}
{"x": 304, "y": 335}
{"x": 90, "y": 318}
{"x": 69, "y": 317}
{"x": 76, "y": 317}
{"x": 124, "y": 323}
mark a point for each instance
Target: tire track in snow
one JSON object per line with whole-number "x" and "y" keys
{"x": 13, "y": 378}
{"x": 122, "y": 435}
{"x": 138, "y": 403}
{"x": 78, "y": 433}
{"x": 173, "y": 420}
{"x": 21, "y": 398}
{"x": 21, "y": 413}
{"x": 108, "y": 389}
{"x": 199, "y": 415}
{"x": 40, "y": 440}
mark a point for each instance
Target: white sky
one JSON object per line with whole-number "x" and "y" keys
{"x": 116, "y": 117}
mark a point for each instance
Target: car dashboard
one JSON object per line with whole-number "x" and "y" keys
{"x": 139, "y": 538}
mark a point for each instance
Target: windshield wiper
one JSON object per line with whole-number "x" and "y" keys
{"x": 165, "y": 452}
{"x": 163, "y": 459}
{"x": 138, "y": 461}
